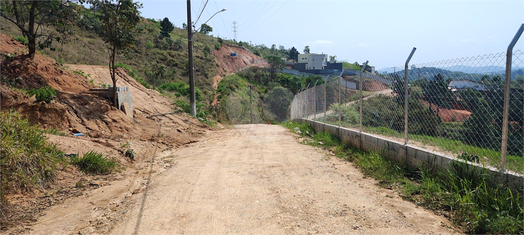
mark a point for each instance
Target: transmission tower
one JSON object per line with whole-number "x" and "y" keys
{"x": 235, "y": 28}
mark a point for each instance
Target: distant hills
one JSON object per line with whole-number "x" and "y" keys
{"x": 455, "y": 72}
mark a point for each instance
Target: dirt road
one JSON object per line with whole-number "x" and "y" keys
{"x": 254, "y": 179}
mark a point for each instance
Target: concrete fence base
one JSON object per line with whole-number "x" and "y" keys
{"x": 410, "y": 155}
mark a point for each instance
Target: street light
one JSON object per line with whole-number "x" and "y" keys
{"x": 190, "y": 52}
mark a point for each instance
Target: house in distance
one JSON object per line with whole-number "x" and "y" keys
{"x": 317, "y": 64}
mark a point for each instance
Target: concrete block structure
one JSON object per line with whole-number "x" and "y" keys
{"x": 124, "y": 98}
{"x": 409, "y": 155}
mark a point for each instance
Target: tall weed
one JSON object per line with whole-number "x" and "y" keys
{"x": 463, "y": 192}
{"x": 94, "y": 163}
{"x": 27, "y": 160}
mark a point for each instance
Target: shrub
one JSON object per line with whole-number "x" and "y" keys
{"x": 94, "y": 163}
{"x": 21, "y": 39}
{"x": 27, "y": 159}
{"x": 207, "y": 50}
{"x": 45, "y": 94}
{"x": 218, "y": 46}
{"x": 149, "y": 45}
{"x": 180, "y": 89}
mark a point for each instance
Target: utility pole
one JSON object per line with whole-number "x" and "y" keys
{"x": 191, "y": 66}
{"x": 192, "y": 99}
{"x": 235, "y": 30}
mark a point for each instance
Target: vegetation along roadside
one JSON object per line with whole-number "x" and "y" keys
{"x": 465, "y": 197}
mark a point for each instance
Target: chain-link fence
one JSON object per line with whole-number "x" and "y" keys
{"x": 246, "y": 105}
{"x": 455, "y": 107}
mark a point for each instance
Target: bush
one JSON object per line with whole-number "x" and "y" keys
{"x": 180, "y": 89}
{"x": 45, "y": 94}
{"x": 27, "y": 159}
{"x": 94, "y": 163}
{"x": 229, "y": 84}
{"x": 207, "y": 50}
{"x": 21, "y": 39}
{"x": 218, "y": 46}
{"x": 150, "y": 45}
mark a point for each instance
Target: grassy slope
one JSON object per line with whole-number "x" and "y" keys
{"x": 147, "y": 57}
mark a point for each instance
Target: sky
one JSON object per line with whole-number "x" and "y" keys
{"x": 379, "y": 31}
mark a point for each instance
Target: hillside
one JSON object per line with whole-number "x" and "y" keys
{"x": 156, "y": 61}
{"x": 157, "y": 122}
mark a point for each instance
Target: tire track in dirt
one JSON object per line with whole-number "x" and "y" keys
{"x": 256, "y": 179}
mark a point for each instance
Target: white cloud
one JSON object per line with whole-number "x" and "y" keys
{"x": 323, "y": 42}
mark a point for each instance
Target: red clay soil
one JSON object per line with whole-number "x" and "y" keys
{"x": 105, "y": 128}
{"x": 228, "y": 64}
{"x": 450, "y": 115}
{"x": 75, "y": 110}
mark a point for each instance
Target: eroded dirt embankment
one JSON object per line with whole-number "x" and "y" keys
{"x": 105, "y": 129}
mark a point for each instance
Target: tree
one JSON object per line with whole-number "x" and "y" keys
{"x": 333, "y": 58}
{"x": 167, "y": 27}
{"x": 436, "y": 91}
{"x": 205, "y": 29}
{"x": 184, "y": 25}
{"x": 119, "y": 19}
{"x": 293, "y": 54}
{"x": 275, "y": 64}
{"x": 32, "y": 17}
{"x": 306, "y": 50}
{"x": 273, "y": 48}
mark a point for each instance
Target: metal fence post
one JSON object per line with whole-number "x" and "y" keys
{"x": 339, "y": 105}
{"x": 406, "y": 96}
{"x": 308, "y": 101}
{"x": 315, "y": 101}
{"x": 360, "y": 88}
{"x": 509, "y": 57}
{"x": 325, "y": 103}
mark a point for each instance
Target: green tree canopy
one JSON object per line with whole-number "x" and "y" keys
{"x": 306, "y": 50}
{"x": 119, "y": 19}
{"x": 50, "y": 20}
{"x": 205, "y": 29}
{"x": 167, "y": 27}
{"x": 293, "y": 54}
{"x": 275, "y": 63}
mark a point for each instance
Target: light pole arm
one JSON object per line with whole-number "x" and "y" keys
{"x": 225, "y": 9}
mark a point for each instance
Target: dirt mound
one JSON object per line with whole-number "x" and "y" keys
{"x": 74, "y": 110}
{"x": 106, "y": 129}
{"x": 228, "y": 63}
{"x": 449, "y": 115}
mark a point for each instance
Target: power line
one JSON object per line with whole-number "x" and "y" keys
{"x": 227, "y": 31}
{"x": 260, "y": 16}
{"x": 270, "y": 16}
{"x": 196, "y": 21}
{"x": 256, "y": 16}
{"x": 254, "y": 8}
